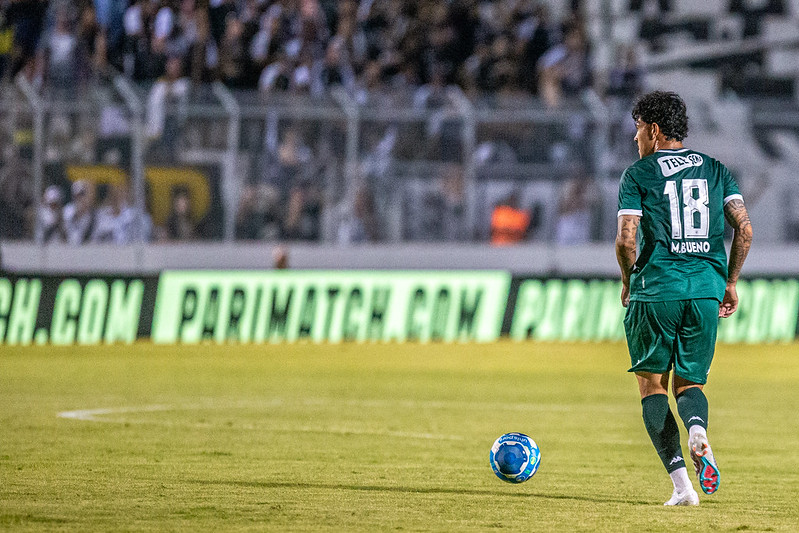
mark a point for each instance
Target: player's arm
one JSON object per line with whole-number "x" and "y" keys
{"x": 625, "y": 251}
{"x": 737, "y": 216}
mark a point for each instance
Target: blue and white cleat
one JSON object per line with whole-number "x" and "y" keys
{"x": 704, "y": 463}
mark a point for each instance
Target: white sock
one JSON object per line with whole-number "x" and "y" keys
{"x": 694, "y": 430}
{"x": 682, "y": 483}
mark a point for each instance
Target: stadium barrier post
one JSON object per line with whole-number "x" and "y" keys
{"x": 230, "y": 184}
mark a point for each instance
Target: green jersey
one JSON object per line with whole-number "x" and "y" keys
{"x": 680, "y": 196}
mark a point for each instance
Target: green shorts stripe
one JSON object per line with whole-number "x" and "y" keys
{"x": 679, "y": 334}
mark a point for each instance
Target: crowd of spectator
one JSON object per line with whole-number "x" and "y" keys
{"x": 107, "y": 217}
{"x": 302, "y": 46}
{"x": 310, "y": 47}
{"x": 83, "y": 220}
{"x": 369, "y": 48}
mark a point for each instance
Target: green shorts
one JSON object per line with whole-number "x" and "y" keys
{"x": 679, "y": 333}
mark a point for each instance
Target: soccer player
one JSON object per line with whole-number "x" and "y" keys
{"x": 680, "y": 283}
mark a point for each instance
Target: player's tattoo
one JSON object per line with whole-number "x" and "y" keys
{"x": 625, "y": 244}
{"x": 738, "y": 217}
{"x": 629, "y": 227}
{"x": 736, "y": 214}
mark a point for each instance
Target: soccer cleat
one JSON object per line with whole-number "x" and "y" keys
{"x": 689, "y": 497}
{"x": 704, "y": 463}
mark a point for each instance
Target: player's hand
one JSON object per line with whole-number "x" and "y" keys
{"x": 625, "y": 295}
{"x": 730, "y": 302}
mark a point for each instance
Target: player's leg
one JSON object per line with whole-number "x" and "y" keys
{"x": 693, "y": 409}
{"x": 665, "y": 434}
{"x": 651, "y": 331}
{"x": 695, "y": 347}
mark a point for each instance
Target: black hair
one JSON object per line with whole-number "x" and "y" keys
{"x": 667, "y": 110}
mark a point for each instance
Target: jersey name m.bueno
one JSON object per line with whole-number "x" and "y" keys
{"x": 680, "y": 196}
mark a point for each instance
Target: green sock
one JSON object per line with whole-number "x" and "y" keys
{"x": 692, "y": 406}
{"x": 662, "y": 428}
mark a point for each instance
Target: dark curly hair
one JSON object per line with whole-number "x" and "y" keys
{"x": 667, "y": 110}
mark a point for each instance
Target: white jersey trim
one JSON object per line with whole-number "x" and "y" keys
{"x": 634, "y": 212}
{"x": 732, "y": 197}
{"x": 674, "y": 151}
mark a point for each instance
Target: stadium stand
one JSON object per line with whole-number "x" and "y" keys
{"x": 377, "y": 120}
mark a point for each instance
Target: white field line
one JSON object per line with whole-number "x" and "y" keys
{"x": 93, "y": 415}
{"x": 106, "y": 414}
{"x": 102, "y": 415}
{"x": 466, "y": 404}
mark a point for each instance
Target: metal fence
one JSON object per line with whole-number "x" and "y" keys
{"x": 424, "y": 166}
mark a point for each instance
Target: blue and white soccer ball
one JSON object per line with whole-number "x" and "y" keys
{"x": 515, "y": 457}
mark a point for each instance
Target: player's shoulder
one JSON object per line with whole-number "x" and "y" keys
{"x": 640, "y": 168}
{"x": 703, "y": 157}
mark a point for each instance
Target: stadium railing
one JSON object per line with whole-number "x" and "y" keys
{"x": 417, "y": 155}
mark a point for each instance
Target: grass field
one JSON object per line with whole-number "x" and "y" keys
{"x": 376, "y": 437}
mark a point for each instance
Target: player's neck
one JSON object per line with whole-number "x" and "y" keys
{"x": 663, "y": 144}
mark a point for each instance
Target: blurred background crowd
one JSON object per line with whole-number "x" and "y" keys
{"x": 301, "y": 46}
{"x": 552, "y": 59}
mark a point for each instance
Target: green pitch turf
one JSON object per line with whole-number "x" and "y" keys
{"x": 376, "y": 437}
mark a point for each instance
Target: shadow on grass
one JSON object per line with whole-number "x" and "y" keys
{"x": 416, "y": 490}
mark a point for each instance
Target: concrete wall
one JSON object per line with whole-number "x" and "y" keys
{"x": 533, "y": 259}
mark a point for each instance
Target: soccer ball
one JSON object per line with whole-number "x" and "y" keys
{"x": 515, "y": 457}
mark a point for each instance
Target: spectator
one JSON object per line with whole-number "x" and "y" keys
{"x": 179, "y": 224}
{"x": 180, "y": 41}
{"x": 276, "y": 76}
{"x": 60, "y": 55}
{"x": 80, "y": 217}
{"x": 108, "y": 15}
{"x": 792, "y": 215}
{"x": 259, "y": 215}
{"x": 443, "y": 50}
{"x": 372, "y": 88}
{"x": 376, "y": 162}
{"x": 302, "y": 81}
{"x": 432, "y": 95}
{"x": 27, "y": 17}
{"x": 349, "y": 31}
{"x": 135, "y": 38}
{"x": 118, "y": 222}
{"x": 294, "y": 157}
{"x": 509, "y": 223}
{"x": 534, "y": 36}
{"x": 304, "y": 214}
{"x": 573, "y": 224}
{"x": 163, "y": 23}
{"x": 159, "y": 22}
{"x": 438, "y": 213}
{"x": 6, "y": 46}
{"x": 360, "y": 224}
{"x": 263, "y": 42}
{"x": 50, "y": 220}
{"x": 233, "y": 53}
{"x": 218, "y": 13}
{"x": 638, "y": 5}
{"x": 334, "y": 70}
{"x": 249, "y": 218}
{"x": 280, "y": 258}
{"x": 499, "y": 72}
{"x": 17, "y": 213}
{"x": 453, "y": 215}
{"x": 92, "y": 45}
{"x": 565, "y": 70}
{"x": 170, "y": 91}
{"x": 444, "y": 124}
{"x": 626, "y": 78}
